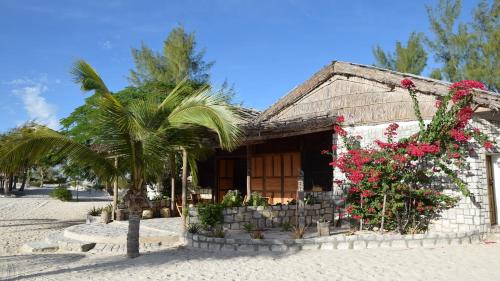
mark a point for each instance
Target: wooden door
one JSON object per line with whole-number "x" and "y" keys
{"x": 275, "y": 175}
{"x": 225, "y": 177}
{"x": 491, "y": 190}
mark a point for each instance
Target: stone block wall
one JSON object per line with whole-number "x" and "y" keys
{"x": 274, "y": 216}
{"x": 467, "y": 215}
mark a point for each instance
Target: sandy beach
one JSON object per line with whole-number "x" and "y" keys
{"x": 32, "y": 217}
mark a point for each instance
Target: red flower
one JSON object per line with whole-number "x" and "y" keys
{"x": 488, "y": 145}
{"x": 367, "y": 193}
{"x": 356, "y": 176}
{"x": 464, "y": 115}
{"x": 340, "y": 131}
{"x": 459, "y": 94}
{"x": 407, "y": 84}
{"x": 458, "y": 135}
{"x": 340, "y": 119}
{"x": 334, "y": 147}
{"x": 415, "y": 150}
{"x": 356, "y": 217}
{"x": 454, "y": 155}
{"x": 467, "y": 84}
{"x": 324, "y": 151}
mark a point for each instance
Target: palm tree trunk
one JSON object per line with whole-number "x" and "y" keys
{"x": 134, "y": 221}
{"x": 8, "y": 188}
{"x": 25, "y": 178}
{"x": 135, "y": 200}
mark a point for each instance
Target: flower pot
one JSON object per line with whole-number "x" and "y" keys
{"x": 165, "y": 212}
{"x": 105, "y": 217}
{"x": 323, "y": 228}
{"x": 121, "y": 214}
{"x": 147, "y": 214}
{"x": 92, "y": 219}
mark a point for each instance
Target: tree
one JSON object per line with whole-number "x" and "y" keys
{"x": 451, "y": 39}
{"x": 178, "y": 61}
{"x": 143, "y": 134}
{"x": 483, "y": 62}
{"x": 409, "y": 59}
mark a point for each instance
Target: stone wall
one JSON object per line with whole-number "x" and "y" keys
{"x": 467, "y": 215}
{"x": 333, "y": 242}
{"x": 274, "y": 216}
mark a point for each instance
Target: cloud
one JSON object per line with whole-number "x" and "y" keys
{"x": 107, "y": 45}
{"x": 38, "y": 109}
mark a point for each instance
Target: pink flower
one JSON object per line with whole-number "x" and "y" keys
{"x": 340, "y": 131}
{"x": 488, "y": 145}
{"x": 407, "y": 84}
{"x": 340, "y": 119}
{"x": 458, "y": 135}
{"x": 356, "y": 176}
{"x": 467, "y": 84}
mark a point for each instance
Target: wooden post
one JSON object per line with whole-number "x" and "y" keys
{"x": 184, "y": 181}
{"x": 383, "y": 215}
{"x": 301, "y": 219}
{"x": 249, "y": 171}
{"x": 115, "y": 192}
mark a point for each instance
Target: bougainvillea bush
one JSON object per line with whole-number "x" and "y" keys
{"x": 405, "y": 171}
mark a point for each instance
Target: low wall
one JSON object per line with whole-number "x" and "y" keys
{"x": 334, "y": 242}
{"x": 274, "y": 216}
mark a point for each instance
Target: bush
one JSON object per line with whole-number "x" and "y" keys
{"x": 286, "y": 226}
{"x": 61, "y": 193}
{"x": 210, "y": 215}
{"x": 232, "y": 199}
{"x": 256, "y": 199}
{"x": 248, "y": 227}
{"x": 194, "y": 228}
{"x": 94, "y": 211}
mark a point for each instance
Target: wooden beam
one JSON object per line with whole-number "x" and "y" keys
{"x": 249, "y": 170}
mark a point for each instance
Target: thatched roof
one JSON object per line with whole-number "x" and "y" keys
{"x": 424, "y": 85}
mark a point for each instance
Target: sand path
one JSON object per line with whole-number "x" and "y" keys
{"x": 473, "y": 262}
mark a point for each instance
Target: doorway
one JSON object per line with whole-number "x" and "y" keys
{"x": 493, "y": 177}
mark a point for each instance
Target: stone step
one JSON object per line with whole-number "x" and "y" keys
{"x": 39, "y": 247}
{"x": 68, "y": 244}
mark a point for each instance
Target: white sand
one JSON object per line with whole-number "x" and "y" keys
{"x": 474, "y": 262}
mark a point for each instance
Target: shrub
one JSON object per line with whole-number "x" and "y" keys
{"x": 108, "y": 208}
{"x": 94, "y": 211}
{"x": 248, "y": 227}
{"x": 298, "y": 232}
{"x": 256, "y": 199}
{"x": 286, "y": 226}
{"x": 61, "y": 193}
{"x": 309, "y": 199}
{"x": 257, "y": 234}
{"x": 210, "y": 215}
{"x": 232, "y": 199}
{"x": 292, "y": 202}
{"x": 401, "y": 173}
{"x": 194, "y": 228}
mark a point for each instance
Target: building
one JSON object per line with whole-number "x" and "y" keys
{"x": 284, "y": 142}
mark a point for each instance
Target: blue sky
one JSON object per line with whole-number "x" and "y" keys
{"x": 264, "y": 48}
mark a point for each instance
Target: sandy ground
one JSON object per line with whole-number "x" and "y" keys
{"x": 33, "y": 216}
{"x": 30, "y": 218}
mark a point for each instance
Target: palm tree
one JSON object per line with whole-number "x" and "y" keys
{"x": 143, "y": 134}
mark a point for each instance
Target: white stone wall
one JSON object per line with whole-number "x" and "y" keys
{"x": 466, "y": 216}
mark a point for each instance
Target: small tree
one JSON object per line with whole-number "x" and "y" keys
{"x": 396, "y": 179}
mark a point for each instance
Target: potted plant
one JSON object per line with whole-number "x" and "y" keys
{"x": 147, "y": 214}
{"x": 323, "y": 227}
{"x": 165, "y": 212}
{"x": 93, "y": 215}
{"x": 106, "y": 214}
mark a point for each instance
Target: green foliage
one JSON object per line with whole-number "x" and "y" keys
{"x": 210, "y": 215}
{"x": 291, "y": 202}
{"x": 61, "y": 193}
{"x": 248, "y": 226}
{"x": 286, "y": 226}
{"x": 108, "y": 208}
{"x": 94, "y": 211}
{"x": 232, "y": 199}
{"x": 309, "y": 199}
{"x": 409, "y": 59}
{"x": 179, "y": 60}
{"x": 256, "y": 199}
{"x": 194, "y": 228}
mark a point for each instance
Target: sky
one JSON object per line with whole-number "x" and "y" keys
{"x": 264, "y": 48}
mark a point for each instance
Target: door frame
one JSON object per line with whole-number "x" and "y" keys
{"x": 490, "y": 181}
